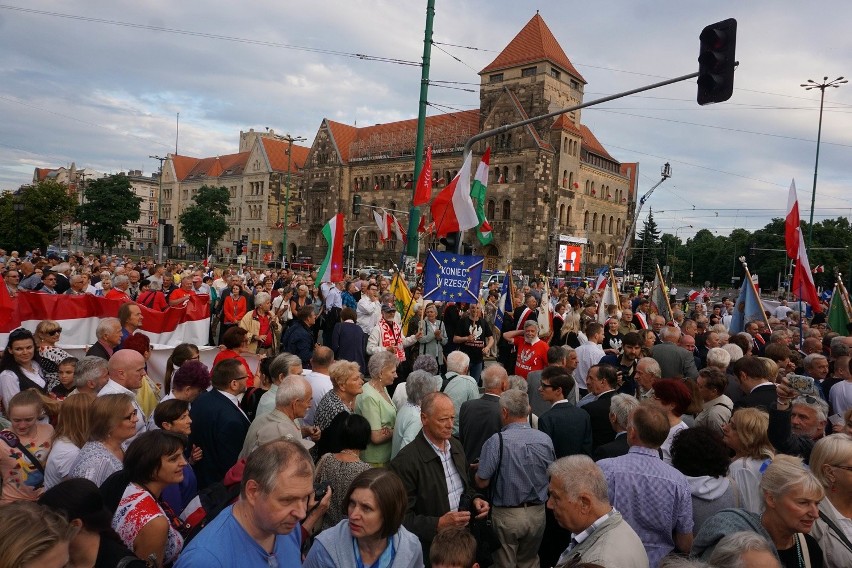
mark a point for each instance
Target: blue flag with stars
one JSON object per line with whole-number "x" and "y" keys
{"x": 452, "y": 277}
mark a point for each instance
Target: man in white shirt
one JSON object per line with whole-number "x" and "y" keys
{"x": 588, "y": 354}
{"x": 318, "y": 378}
{"x": 126, "y": 370}
{"x": 369, "y": 308}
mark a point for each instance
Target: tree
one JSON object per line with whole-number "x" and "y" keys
{"x": 645, "y": 249}
{"x": 42, "y": 207}
{"x": 206, "y": 218}
{"x": 110, "y": 205}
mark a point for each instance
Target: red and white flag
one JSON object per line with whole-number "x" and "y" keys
{"x": 381, "y": 217}
{"x": 791, "y": 223}
{"x": 600, "y": 283}
{"x": 423, "y": 191}
{"x": 397, "y": 228}
{"x": 803, "y": 286}
{"x": 818, "y": 268}
{"x": 452, "y": 209}
{"x": 79, "y": 317}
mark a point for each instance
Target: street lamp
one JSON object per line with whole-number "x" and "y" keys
{"x": 811, "y": 84}
{"x": 289, "y": 139}
{"x": 160, "y": 220}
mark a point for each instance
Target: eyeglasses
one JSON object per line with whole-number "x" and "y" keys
{"x": 131, "y": 415}
{"x": 241, "y": 378}
{"x": 543, "y": 386}
{"x": 846, "y": 467}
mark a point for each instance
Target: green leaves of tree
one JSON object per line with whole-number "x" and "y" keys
{"x": 110, "y": 205}
{"x": 206, "y": 218}
{"x": 42, "y": 207}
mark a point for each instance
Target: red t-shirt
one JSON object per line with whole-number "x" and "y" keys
{"x": 530, "y": 357}
{"x": 181, "y": 293}
{"x": 116, "y": 294}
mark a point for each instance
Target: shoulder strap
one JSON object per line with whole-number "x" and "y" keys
{"x": 445, "y": 381}
{"x": 13, "y": 441}
{"x": 833, "y": 526}
{"x": 804, "y": 544}
{"x": 722, "y": 404}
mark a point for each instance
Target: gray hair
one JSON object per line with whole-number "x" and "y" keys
{"x": 518, "y": 383}
{"x": 261, "y": 298}
{"x": 730, "y": 549}
{"x": 75, "y": 278}
{"x": 267, "y": 462}
{"x": 62, "y": 267}
{"x": 493, "y": 376}
{"x": 787, "y": 472}
{"x": 381, "y": 361}
{"x": 426, "y": 363}
{"x": 89, "y": 369}
{"x": 620, "y": 406}
{"x": 670, "y": 334}
{"x": 734, "y": 350}
{"x": 292, "y": 388}
{"x": 418, "y": 385}
{"x": 779, "y": 335}
{"x": 651, "y": 366}
{"x": 282, "y": 364}
{"x": 155, "y": 285}
{"x": 577, "y": 474}
{"x": 828, "y": 451}
{"x": 121, "y": 279}
{"x": 816, "y": 404}
{"x": 719, "y": 358}
{"x": 106, "y": 326}
{"x": 530, "y": 323}
{"x": 809, "y": 360}
{"x": 517, "y": 403}
{"x": 458, "y": 362}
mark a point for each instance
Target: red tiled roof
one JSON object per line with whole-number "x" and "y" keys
{"x": 182, "y": 165}
{"x": 562, "y": 122}
{"x": 276, "y": 151}
{"x": 186, "y": 166}
{"x": 42, "y": 173}
{"x": 591, "y": 143}
{"x": 535, "y": 42}
{"x": 344, "y": 135}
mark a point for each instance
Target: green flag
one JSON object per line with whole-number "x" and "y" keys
{"x": 837, "y": 317}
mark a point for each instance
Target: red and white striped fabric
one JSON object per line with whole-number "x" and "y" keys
{"x": 79, "y": 317}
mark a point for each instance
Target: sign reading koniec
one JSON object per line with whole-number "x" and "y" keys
{"x": 452, "y": 277}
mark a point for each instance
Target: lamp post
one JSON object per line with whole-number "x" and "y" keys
{"x": 811, "y": 84}
{"x": 289, "y": 139}
{"x": 160, "y": 220}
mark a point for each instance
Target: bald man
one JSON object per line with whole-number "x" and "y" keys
{"x": 126, "y": 369}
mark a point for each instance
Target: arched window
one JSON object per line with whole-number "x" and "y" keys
{"x": 496, "y": 175}
{"x": 564, "y": 178}
{"x": 568, "y": 216}
{"x": 372, "y": 240}
{"x": 586, "y": 221}
{"x": 609, "y": 229}
{"x": 519, "y": 173}
{"x": 594, "y": 222}
{"x": 618, "y": 227}
{"x": 506, "y": 174}
{"x": 448, "y": 177}
{"x": 392, "y": 205}
{"x": 611, "y": 258}
{"x": 571, "y": 181}
{"x": 593, "y": 188}
{"x": 588, "y": 186}
{"x": 507, "y": 210}
{"x": 562, "y": 214}
{"x": 603, "y": 224}
{"x": 489, "y": 212}
{"x": 565, "y": 145}
{"x": 600, "y": 255}
{"x": 390, "y": 244}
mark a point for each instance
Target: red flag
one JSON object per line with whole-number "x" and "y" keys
{"x": 791, "y": 223}
{"x": 803, "y": 279}
{"x": 6, "y": 308}
{"x": 423, "y": 191}
{"x": 421, "y": 228}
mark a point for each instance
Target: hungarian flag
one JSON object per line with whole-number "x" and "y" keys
{"x": 791, "y": 223}
{"x": 381, "y": 217}
{"x": 477, "y": 192}
{"x": 452, "y": 209}
{"x": 331, "y": 269}
{"x": 803, "y": 285}
{"x": 838, "y": 319}
{"x": 423, "y": 190}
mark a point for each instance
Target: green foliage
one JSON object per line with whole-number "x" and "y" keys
{"x": 206, "y": 218}
{"x": 44, "y": 206}
{"x": 109, "y": 206}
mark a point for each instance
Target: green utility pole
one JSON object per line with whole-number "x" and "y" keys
{"x": 414, "y": 212}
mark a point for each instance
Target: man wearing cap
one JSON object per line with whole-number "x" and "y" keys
{"x": 387, "y": 335}
{"x": 532, "y": 351}
{"x": 198, "y": 285}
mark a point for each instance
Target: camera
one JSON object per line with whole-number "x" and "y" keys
{"x": 320, "y": 489}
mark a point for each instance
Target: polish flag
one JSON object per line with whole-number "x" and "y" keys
{"x": 791, "y": 223}
{"x": 382, "y": 222}
{"x": 803, "y": 285}
{"x": 394, "y": 224}
{"x": 453, "y": 208}
{"x": 423, "y": 191}
{"x": 79, "y": 317}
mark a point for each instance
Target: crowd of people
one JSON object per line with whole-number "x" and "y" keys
{"x": 372, "y": 434}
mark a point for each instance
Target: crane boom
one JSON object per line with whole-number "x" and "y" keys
{"x": 666, "y": 173}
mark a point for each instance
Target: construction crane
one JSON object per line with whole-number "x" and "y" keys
{"x": 666, "y": 173}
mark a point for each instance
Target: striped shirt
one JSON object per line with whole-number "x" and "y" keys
{"x": 455, "y": 487}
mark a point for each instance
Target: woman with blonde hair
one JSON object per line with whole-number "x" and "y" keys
{"x": 72, "y": 431}
{"x": 747, "y": 435}
{"x": 47, "y": 335}
{"x": 112, "y": 421}
{"x": 24, "y": 448}
{"x": 33, "y": 536}
{"x": 831, "y": 464}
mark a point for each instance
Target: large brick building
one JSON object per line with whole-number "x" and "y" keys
{"x": 549, "y": 179}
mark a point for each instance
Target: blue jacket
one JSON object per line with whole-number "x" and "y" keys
{"x": 333, "y": 549}
{"x": 299, "y": 341}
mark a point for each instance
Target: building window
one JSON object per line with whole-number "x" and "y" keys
{"x": 555, "y": 73}
{"x": 372, "y": 240}
{"x": 519, "y": 173}
{"x": 568, "y": 216}
{"x": 571, "y": 181}
{"x": 507, "y": 210}
{"x": 490, "y": 209}
{"x": 528, "y": 72}
{"x": 495, "y": 78}
{"x": 562, "y": 214}
{"x": 575, "y": 84}
{"x": 594, "y": 222}
{"x": 609, "y": 229}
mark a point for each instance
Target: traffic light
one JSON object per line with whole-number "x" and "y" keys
{"x": 467, "y": 250}
{"x": 168, "y": 235}
{"x": 451, "y": 242}
{"x": 356, "y": 204}
{"x": 717, "y": 61}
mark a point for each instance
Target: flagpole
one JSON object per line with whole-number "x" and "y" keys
{"x": 663, "y": 289}
{"x": 742, "y": 259}
{"x": 844, "y": 296}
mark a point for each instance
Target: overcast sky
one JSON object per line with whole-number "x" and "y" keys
{"x": 77, "y": 88}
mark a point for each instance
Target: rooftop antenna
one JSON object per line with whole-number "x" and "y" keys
{"x": 177, "y": 132}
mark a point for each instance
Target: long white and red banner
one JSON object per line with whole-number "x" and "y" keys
{"x": 79, "y": 317}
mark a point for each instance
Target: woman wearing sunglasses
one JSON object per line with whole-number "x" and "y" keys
{"x": 112, "y": 421}
{"x": 47, "y": 335}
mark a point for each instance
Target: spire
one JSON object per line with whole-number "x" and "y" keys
{"x": 535, "y": 42}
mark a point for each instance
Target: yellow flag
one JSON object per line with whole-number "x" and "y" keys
{"x": 402, "y": 296}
